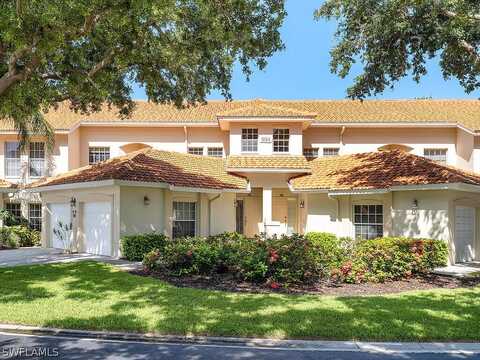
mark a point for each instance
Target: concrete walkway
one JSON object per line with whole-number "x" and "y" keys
{"x": 37, "y": 255}
{"x": 460, "y": 270}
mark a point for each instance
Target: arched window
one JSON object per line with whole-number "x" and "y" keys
{"x": 128, "y": 148}
{"x": 400, "y": 147}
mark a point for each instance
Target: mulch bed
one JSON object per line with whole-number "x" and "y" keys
{"x": 229, "y": 283}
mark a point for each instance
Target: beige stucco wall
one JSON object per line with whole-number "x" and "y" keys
{"x": 135, "y": 216}
{"x": 265, "y": 129}
{"x": 222, "y": 213}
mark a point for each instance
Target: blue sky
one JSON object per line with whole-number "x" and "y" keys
{"x": 302, "y": 70}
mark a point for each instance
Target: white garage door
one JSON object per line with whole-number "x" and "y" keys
{"x": 97, "y": 225}
{"x": 58, "y": 212}
{"x": 464, "y": 233}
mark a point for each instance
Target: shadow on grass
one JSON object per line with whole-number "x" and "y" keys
{"x": 108, "y": 299}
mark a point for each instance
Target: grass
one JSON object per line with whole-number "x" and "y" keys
{"x": 90, "y": 295}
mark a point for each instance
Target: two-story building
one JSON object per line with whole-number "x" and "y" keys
{"x": 358, "y": 169}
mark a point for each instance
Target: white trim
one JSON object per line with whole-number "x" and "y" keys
{"x": 394, "y": 124}
{"x": 152, "y": 123}
{"x": 90, "y": 184}
{"x": 452, "y": 186}
{"x": 269, "y": 170}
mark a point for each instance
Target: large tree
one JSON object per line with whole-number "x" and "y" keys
{"x": 89, "y": 52}
{"x": 393, "y": 38}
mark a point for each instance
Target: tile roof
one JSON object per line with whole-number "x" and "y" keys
{"x": 268, "y": 162}
{"x": 150, "y": 165}
{"x": 378, "y": 170}
{"x": 464, "y": 112}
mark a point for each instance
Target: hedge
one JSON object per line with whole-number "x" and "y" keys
{"x": 135, "y": 247}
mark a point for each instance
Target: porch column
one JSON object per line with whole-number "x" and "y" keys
{"x": 267, "y": 206}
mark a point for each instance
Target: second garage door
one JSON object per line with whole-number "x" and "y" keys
{"x": 97, "y": 227}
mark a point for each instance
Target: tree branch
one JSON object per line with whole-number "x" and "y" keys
{"x": 452, "y": 14}
{"x": 470, "y": 49}
{"x": 105, "y": 61}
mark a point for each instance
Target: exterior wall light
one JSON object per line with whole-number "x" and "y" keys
{"x": 302, "y": 204}
{"x": 146, "y": 200}
{"x": 414, "y": 206}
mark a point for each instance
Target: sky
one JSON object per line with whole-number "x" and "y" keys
{"x": 302, "y": 70}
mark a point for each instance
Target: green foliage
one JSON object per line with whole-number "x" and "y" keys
{"x": 10, "y": 220}
{"x": 394, "y": 38}
{"x": 134, "y": 247}
{"x": 88, "y": 52}
{"x": 297, "y": 259}
{"x": 7, "y": 238}
{"x": 26, "y": 236}
{"x": 383, "y": 259}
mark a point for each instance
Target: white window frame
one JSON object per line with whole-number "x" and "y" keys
{"x": 36, "y": 159}
{"x": 330, "y": 151}
{"x": 311, "y": 152}
{"x": 196, "y": 150}
{"x": 368, "y": 219}
{"x": 17, "y": 204}
{"x": 281, "y": 141}
{"x": 439, "y": 155}
{"x": 192, "y": 216}
{"x": 249, "y": 140}
{"x": 215, "y": 151}
{"x": 35, "y": 220}
{"x": 15, "y": 162}
{"x": 97, "y": 152}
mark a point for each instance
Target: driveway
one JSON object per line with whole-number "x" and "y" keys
{"x": 37, "y": 255}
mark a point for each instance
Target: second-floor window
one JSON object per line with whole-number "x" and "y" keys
{"x": 249, "y": 140}
{"x": 13, "y": 164}
{"x": 97, "y": 154}
{"x": 281, "y": 140}
{"x": 36, "y": 159}
{"x": 215, "y": 151}
{"x": 438, "y": 155}
{"x": 194, "y": 150}
{"x": 310, "y": 153}
{"x": 331, "y": 151}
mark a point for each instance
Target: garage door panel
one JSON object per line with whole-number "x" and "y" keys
{"x": 464, "y": 233}
{"x": 58, "y": 212}
{"x": 97, "y": 225}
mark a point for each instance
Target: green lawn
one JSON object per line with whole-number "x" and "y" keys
{"x": 90, "y": 295}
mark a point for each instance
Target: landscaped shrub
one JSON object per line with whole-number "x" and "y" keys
{"x": 7, "y": 238}
{"x": 387, "y": 258}
{"x": 26, "y": 236}
{"x": 134, "y": 247}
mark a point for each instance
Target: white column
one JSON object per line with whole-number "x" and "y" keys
{"x": 267, "y": 205}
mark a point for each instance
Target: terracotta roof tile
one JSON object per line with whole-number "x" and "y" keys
{"x": 379, "y": 170}
{"x": 150, "y": 165}
{"x": 268, "y": 162}
{"x": 464, "y": 112}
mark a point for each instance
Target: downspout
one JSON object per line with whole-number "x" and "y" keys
{"x": 341, "y": 135}
{"x": 185, "y": 132}
{"x": 210, "y": 212}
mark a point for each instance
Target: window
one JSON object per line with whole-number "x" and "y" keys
{"x": 332, "y": 151}
{"x": 249, "y": 140}
{"x": 97, "y": 154}
{"x": 195, "y": 150}
{"x": 438, "y": 155}
{"x": 215, "y": 151}
{"x": 310, "y": 153}
{"x": 184, "y": 219}
{"x": 35, "y": 216}
{"x": 14, "y": 209}
{"x": 12, "y": 159}
{"x": 281, "y": 139}
{"x": 368, "y": 221}
{"x": 37, "y": 159}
